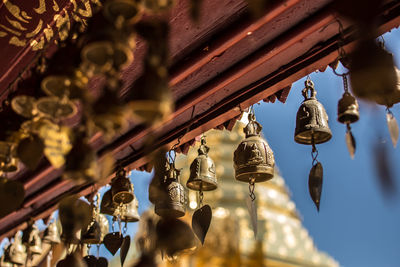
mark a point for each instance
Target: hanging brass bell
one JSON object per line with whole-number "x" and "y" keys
{"x": 202, "y": 171}
{"x": 129, "y": 212}
{"x": 24, "y": 106}
{"x": 104, "y": 225}
{"x": 253, "y": 158}
{"x": 348, "y": 110}
{"x": 373, "y": 74}
{"x": 311, "y": 120}
{"x": 173, "y": 202}
{"x": 51, "y": 234}
{"x": 121, "y": 188}
{"x": 92, "y": 235}
{"x": 16, "y": 252}
{"x": 3, "y": 262}
{"x": 107, "y": 206}
{"x": 31, "y": 239}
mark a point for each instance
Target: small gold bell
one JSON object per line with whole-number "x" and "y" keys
{"x": 92, "y": 235}
{"x": 51, "y": 234}
{"x": 31, "y": 239}
{"x": 16, "y": 252}
{"x": 348, "y": 110}
{"x": 202, "y": 171}
{"x": 312, "y": 120}
{"x": 104, "y": 225}
{"x": 173, "y": 202}
{"x": 107, "y": 205}
{"x": 373, "y": 74}
{"x": 253, "y": 158}
{"x": 129, "y": 212}
{"x": 121, "y": 188}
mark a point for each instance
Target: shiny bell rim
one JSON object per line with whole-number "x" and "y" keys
{"x": 319, "y": 137}
{"x": 201, "y": 183}
{"x": 123, "y": 197}
{"x": 23, "y": 111}
{"x": 53, "y": 99}
{"x": 11, "y": 166}
{"x": 128, "y": 3}
{"x": 253, "y": 172}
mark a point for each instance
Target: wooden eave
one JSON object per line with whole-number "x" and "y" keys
{"x": 219, "y": 67}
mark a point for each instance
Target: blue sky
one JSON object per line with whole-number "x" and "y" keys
{"x": 358, "y": 225}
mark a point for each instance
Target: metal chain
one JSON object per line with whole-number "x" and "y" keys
{"x": 252, "y": 188}
{"x": 345, "y": 82}
{"x": 314, "y": 151}
{"x": 125, "y": 228}
{"x": 201, "y": 197}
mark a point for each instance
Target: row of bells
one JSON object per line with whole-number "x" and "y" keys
{"x": 30, "y": 242}
{"x": 253, "y": 158}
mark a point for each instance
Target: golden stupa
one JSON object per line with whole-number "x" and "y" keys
{"x": 281, "y": 240}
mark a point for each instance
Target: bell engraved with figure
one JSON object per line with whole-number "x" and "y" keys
{"x": 202, "y": 171}
{"x": 348, "y": 109}
{"x": 107, "y": 205}
{"x": 312, "y": 119}
{"x": 173, "y": 202}
{"x": 253, "y": 158}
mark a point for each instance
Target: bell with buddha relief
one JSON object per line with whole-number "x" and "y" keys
{"x": 171, "y": 200}
{"x": 121, "y": 188}
{"x": 15, "y": 253}
{"x": 92, "y": 235}
{"x": 253, "y": 162}
{"x": 202, "y": 171}
{"x": 312, "y": 120}
{"x": 253, "y": 159}
{"x": 312, "y": 128}
{"x": 51, "y": 234}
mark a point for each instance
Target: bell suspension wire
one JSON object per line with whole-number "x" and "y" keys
{"x": 125, "y": 228}
{"x": 314, "y": 151}
{"x": 201, "y": 197}
{"x": 252, "y": 188}
{"x": 98, "y": 251}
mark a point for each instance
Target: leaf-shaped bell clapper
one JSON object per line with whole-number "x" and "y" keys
{"x": 51, "y": 234}
{"x": 253, "y": 158}
{"x": 16, "y": 251}
{"x": 348, "y": 110}
{"x": 172, "y": 202}
{"x": 202, "y": 171}
{"x": 31, "y": 239}
{"x": 373, "y": 74}
{"x": 123, "y": 12}
{"x": 129, "y": 212}
{"x": 8, "y": 161}
{"x": 92, "y": 235}
{"x": 121, "y": 188}
{"x": 311, "y": 120}
{"x": 107, "y": 205}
